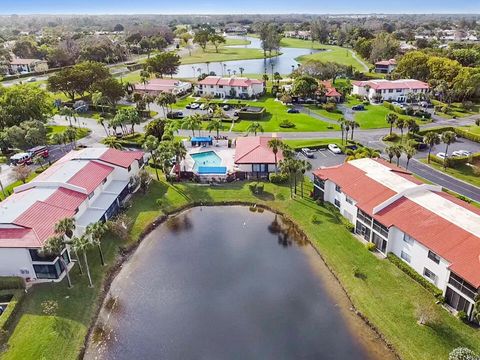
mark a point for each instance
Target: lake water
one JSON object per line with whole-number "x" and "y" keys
{"x": 282, "y": 63}
{"x": 229, "y": 283}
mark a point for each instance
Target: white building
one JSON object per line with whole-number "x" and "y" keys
{"x": 88, "y": 185}
{"x": 156, "y": 86}
{"x": 435, "y": 233}
{"x": 232, "y": 87}
{"x": 385, "y": 66}
{"x": 23, "y": 66}
{"x": 389, "y": 90}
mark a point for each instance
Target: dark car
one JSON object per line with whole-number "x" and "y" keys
{"x": 358, "y": 107}
{"x": 175, "y": 115}
{"x": 292, "y": 111}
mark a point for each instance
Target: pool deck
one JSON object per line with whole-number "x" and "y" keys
{"x": 220, "y": 147}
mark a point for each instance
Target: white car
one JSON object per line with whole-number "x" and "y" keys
{"x": 442, "y": 155}
{"x": 31, "y": 79}
{"x": 307, "y": 152}
{"x": 461, "y": 153}
{"x": 334, "y": 148}
{"x": 203, "y": 106}
{"x": 194, "y": 106}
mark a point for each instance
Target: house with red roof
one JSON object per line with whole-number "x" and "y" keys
{"x": 24, "y": 66}
{"x": 385, "y": 66}
{"x": 231, "y": 87}
{"x": 254, "y": 158}
{"x": 389, "y": 90}
{"x": 88, "y": 185}
{"x": 155, "y": 87}
{"x": 330, "y": 91}
{"x": 435, "y": 233}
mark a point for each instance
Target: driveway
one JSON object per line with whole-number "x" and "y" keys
{"x": 322, "y": 158}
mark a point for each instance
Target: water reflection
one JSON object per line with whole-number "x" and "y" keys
{"x": 179, "y": 223}
{"x": 286, "y": 231}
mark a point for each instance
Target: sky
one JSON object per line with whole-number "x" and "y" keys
{"x": 237, "y": 7}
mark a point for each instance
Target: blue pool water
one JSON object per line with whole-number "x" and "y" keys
{"x": 208, "y": 162}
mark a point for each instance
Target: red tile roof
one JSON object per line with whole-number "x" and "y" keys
{"x": 19, "y": 238}
{"x": 233, "y": 81}
{"x": 255, "y": 150}
{"x": 395, "y": 84}
{"x": 387, "y": 62}
{"x": 91, "y": 176}
{"x": 121, "y": 158}
{"x": 458, "y": 246}
{"x": 331, "y": 91}
{"x": 66, "y": 198}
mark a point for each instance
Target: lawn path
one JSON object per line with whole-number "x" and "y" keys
{"x": 360, "y": 61}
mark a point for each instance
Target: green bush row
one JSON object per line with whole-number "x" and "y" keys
{"x": 460, "y": 132}
{"x": 8, "y": 317}
{"x": 455, "y": 161}
{"x": 279, "y": 178}
{"x": 414, "y": 275}
{"x": 11, "y": 282}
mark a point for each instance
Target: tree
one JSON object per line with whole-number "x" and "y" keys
{"x": 58, "y": 138}
{"x": 400, "y": 124}
{"x": 448, "y": 137}
{"x": 275, "y": 145}
{"x": 111, "y": 89}
{"x": 319, "y": 31}
{"x": 353, "y": 124}
{"x": 113, "y": 143}
{"x": 70, "y": 134}
{"x": 462, "y": 353}
{"x": 151, "y": 144}
{"x": 304, "y": 86}
{"x": 21, "y": 173}
{"x": 215, "y": 125}
{"x": 431, "y": 139}
{"x": 82, "y": 244}
{"x": 304, "y": 166}
{"x": 290, "y": 166}
{"x": 361, "y": 153}
{"x": 341, "y": 121}
{"x": 397, "y": 150}
{"x": 166, "y": 100}
{"x": 202, "y": 36}
{"x": 65, "y": 227}
{"x": 426, "y": 314}
{"x": 55, "y": 245}
{"x": 391, "y": 118}
{"x": 254, "y": 127}
{"x": 165, "y": 153}
{"x": 216, "y": 40}
{"x": 118, "y": 28}
{"x": 410, "y": 151}
{"x": 165, "y": 63}
{"x": 192, "y": 122}
{"x": 389, "y": 150}
{"x": 180, "y": 153}
{"x": 384, "y": 46}
{"x": 413, "y": 65}
{"x": 96, "y": 231}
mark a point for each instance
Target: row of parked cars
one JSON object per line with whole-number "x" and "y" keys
{"x": 456, "y": 153}
{"x": 309, "y": 153}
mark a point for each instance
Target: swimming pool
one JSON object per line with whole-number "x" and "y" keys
{"x": 208, "y": 162}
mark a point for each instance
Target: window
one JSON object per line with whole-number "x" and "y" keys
{"x": 406, "y": 257}
{"x": 337, "y": 203}
{"x": 434, "y": 257}
{"x": 348, "y": 200}
{"x": 409, "y": 240}
{"x": 379, "y": 242}
{"x": 458, "y": 283}
{"x": 338, "y": 188}
{"x": 48, "y": 271}
{"x": 104, "y": 181}
{"x": 456, "y": 301}
{"x": 220, "y": 86}
{"x": 364, "y": 217}
{"x": 211, "y": 86}
{"x": 91, "y": 194}
{"x": 319, "y": 182}
{"x": 398, "y": 90}
{"x": 129, "y": 168}
{"x": 260, "y": 167}
{"x": 381, "y": 229}
{"x": 429, "y": 275}
{"x": 362, "y": 230}
{"x": 390, "y": 90}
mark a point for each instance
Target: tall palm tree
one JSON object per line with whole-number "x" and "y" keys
{"x": 65, "y": 227}
{"x": 215, "y": 125}
{"x": 410, "y": 152}
{"x": 397, "y": 150}
{"x": 113, "y": 143}
{"x": 71, "y": 134}
{"x": 55, "y": 246}
{"x": 291, "y": 167}
{"x": 101, "y": 121}
{"x": 353, "y": 124}
{"x": 254, "y": 127}
{"x": 391, "y": 118}
{"x": 431, "y": 139}
{"x": 192, "y": 122}
{"x": 180, "y": 153}
{"x": 275, "y": 144}
{"x": 389, "y": 150}
{"x": 96, "y": 232}
{"x": 68, "y": 113}
{"x": 341, "y": 122}
{"x": 448, "y": 137}
{"x": 304, "y": 167}
{"x": 400, "y": 124}
{"x": 241, "y": 69}
{"x": 151, "y": 144}
{"x": 82, "y": 243}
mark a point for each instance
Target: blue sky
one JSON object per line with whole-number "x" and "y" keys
{"x": 243, "y": 6}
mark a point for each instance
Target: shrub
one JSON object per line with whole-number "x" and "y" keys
{"x": 462, "y": 315}
{"x": 315, "y": 219}
{"x": 414, "y": 275}
{"x": 11, "y": 282}
{"x": 422, "y": 114}
{"x": 8, "y": 317}
{"x": 286, "y": 124}
{"x": 467, "y": 105}
{"x": 279, "y": 178}
{"x": 256, "y": 187}
{"x": 391, "y": 137}
{"x": 348, "y": 225}
{"x": 462, "y": 354}
{"x": 370, "y": 246}
{"x": 330, "y": 107}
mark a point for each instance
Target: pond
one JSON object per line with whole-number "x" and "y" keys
{"x": 229, "y": 283}
{"x": 281, "y": 64}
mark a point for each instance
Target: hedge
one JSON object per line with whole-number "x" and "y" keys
{"x": 460, "y": 132}
{"x": 8, "y": 317}
{"x": 11, "y": 282}
{"x": 249, "y": 115}
{"x": 407, "y": 269}
{"x": 455, "y": 161}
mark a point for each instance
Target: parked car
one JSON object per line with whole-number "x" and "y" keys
{"x": 21, "y": 159}
{"x": 293, "y": 111}
{"x": 194, "y": 106}
{"x": 31, "y": 79}
{"x": 235, "y": 113}
{"x": 226, "y": 107}
{"x": 188, "y": 106}
{"x": 307, "y": 152}
{"x": 461, "y": 153}
{"x": 358, "y": 107}
{"x": 442, "y": 155}
{"x": 334, "y": 148}
{"x": 175, "y": 115}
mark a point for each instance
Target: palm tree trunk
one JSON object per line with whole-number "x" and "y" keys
{"x": 391, "y": 128}
{"x": 102, "y": 259}
{"x": 408, "y": 160}
{"x": 67, "y": 275}
{"x": 79, "y": 263}
{"x": 445, "y": 160}
{"x": 88, "y": 268}
{"x": 276, "y": 167}
{"x": 429, "y": 152}
{"x": 301, "y": 186}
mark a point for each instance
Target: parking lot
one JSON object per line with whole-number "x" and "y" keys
{"x": 459, "y": 144}
{"x": 322, "y": 157}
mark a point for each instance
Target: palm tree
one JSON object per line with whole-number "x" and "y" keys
{"x": 400, "y": 124}
{"x": 101, "y": 121}
{"x": 341, "y": 122}
{"x": 448, "y": 137}
{"x": 151, "y": 144}
{"x": 391, "y": 119}
{"x": 291, "y": 167}
{"x": 96, "y": 232}
{"x": 410, "y": 151}
{"x": 192, "y": 122}
{"x": 58, "y": 138}
{"x": 39, "y": 161}
{"x": 389, "y": 150}
{"x": 113, "y": 143}
{"x": 55, "y": 246}
{"x": 275, "y": 144}
{"x": 180, "y": 153}
{"x": 304, "y": 167}
{"x": 71, "y": 134}
{"x": 254, "y": 127}
{"x": 82, "y": 243}
{"x": 353, "y": 125}
{"x": 68, "y": 113}
{"x": 431, "y": 139}
{"x": 215, "y": 125}
{"x": 360, "y": 153}
{"x": 241, "y": 69}
{"x": 398, "y": 150}
{"x": 65, "y": 227}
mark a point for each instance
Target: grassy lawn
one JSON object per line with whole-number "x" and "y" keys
{"x": 456, "y": 110}
{"x": 56, "y": 129}
{"x": 462, "y": 172}
{"x": 386, "y": 295}
{"x": 473, "y": 129}
{"x": 334, "y": 53}
{"x": 311, "y": 143}
{"x": 323, "y": 112}
{"x": 9, "y": 189}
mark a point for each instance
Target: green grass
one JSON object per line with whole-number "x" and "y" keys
{"x": 456, "y": 110}
{"x": 324, "y": 113}
{"x": 386, "y": 295}
{"x": 9, "y": 189}
{"x": 473, "y": 129}
{"x": 336, "y": 54}
{"x": 311, "y": 143}
{"x": 57, "y": 129}
{"x": 462, "y": 172}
